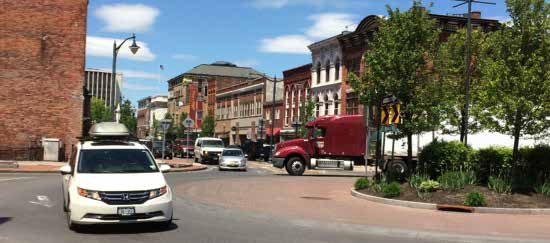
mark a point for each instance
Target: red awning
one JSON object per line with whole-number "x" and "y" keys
{"x": 276, "y": 131}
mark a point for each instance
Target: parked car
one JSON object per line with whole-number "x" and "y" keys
{"x": 232, "y": 159}
{"x": 184, "y": 148}
{"x": 208, "y": 149}
{"x": 111, "y": 179}
{"x": 266, "y": 151}
{"x": 157, "y": 150}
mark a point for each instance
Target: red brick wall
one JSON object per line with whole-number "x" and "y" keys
{"x": 300, "y": 76}
{"x": 42, "y": 55}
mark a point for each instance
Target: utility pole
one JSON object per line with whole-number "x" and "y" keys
{"x": 464, "y": 123}
{"x": 273, "y": 112}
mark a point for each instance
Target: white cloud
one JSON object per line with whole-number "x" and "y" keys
{"x": 247, "y": 63}
{"x": 324, "y": 25}
{"x": 184, "y": 57}
{"x": 277, "y": 4}
{"x": 103, "y": 47}
{"x": 139, "y": 87}
{"x": 139, "y": 74}
{"x": 330, "y": 24}
{"x": 270, "y": 3}
{"x": 503, "y": 19}
{"x": 127, "y": 17}
{"x": 294, "y": 44}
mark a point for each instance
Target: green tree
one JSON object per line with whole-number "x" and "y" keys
{"x": 450, "y": 65}
{"x": 99, "y": 111}
{"x": 207, "y": 126}
{"x": 306, "y": 114}
{"x": 155, "y": 129}
{"x": 516, "y": 71}
{"x": 128, "y": 116}
{"x": 397, "y": 64}
{"x": 180, "y": 129}
{"x": 171, "y": 132}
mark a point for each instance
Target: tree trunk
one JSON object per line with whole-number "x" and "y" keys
{"x": 461, "y": 127}
{"x": 516, "y": 133}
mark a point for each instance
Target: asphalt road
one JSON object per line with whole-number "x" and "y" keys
{"x": 31, "y": 211}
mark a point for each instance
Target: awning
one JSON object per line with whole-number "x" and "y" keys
{"x": 276, "y": 131}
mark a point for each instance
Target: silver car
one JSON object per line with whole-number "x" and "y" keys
{"x": 232, "y": 159}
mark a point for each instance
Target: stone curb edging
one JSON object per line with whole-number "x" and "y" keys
{"x": 175, "y": 170}
{"x": 433, "y": 206}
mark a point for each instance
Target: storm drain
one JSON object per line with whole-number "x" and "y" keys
{"x": 455, "y": 208}
{"x": 315, "y": 198}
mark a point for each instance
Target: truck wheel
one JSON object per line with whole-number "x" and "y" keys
{"x": 398, "y": 169}
{"x": 295, "y": 166}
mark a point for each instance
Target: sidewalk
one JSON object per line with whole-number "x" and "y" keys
{"x": 178, "y": 165}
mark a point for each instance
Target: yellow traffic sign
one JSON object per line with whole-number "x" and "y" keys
{"x": 390, "y": 114}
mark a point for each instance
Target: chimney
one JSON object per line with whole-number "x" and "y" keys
{"x": 476, "y": 14}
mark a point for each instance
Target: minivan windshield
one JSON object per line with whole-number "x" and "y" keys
{"x": 212, "y": 143}
{"x": 116, "y": 161}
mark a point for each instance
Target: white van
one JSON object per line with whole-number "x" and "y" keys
{"x": 208, "y": 149}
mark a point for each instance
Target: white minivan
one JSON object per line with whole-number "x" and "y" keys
{"x": 113, "y": 179}
{"x": 208, "y": 149}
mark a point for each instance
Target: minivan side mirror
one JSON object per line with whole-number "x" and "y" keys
{"x": 164, "y": 168}
{"x": 66, "y": 169}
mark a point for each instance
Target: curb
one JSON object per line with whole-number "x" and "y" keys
{"x": 174, "y": 170}
{"x": 433, "y": 206}
{"x": 189, "y": 170}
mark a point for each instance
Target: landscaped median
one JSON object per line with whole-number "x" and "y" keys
{"x": 454, "y": 177}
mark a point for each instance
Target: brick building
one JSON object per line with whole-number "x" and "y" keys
{"x": 297, "y": 83}
{"x": 353, "y": 46}
{"x": 238, "y": 110}
{"x": 268, "y": 110}
{"x": 42, "y": 55}
{"x": 194, "y": 92}
{"x": 149, "y": 109}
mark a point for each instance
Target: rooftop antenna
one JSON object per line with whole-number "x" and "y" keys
{"x": 464, "y": 123}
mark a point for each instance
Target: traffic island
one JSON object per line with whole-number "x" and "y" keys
{"x": 454, "y": 201}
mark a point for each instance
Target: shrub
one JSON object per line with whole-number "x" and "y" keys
{"x": 440, "y": 156}
{"x": 388, "y": 190}
{"x": 451, "y": 180}
{"x": 499, "y": 185}
{"x": 493, "y": 161}
{"x": 475, "y": 199}
{"x": 543, "y": 189}
{"x": 391, "y": 190}
{"x": 469, "y": 177}
{"x": 533, "y": 167}
{"x": 416, "y": 179}
{"x": 362, "y": 183}
{"x": 428, "y": 186}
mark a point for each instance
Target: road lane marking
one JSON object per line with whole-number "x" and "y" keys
{"x": 14, "y": 178}
{"x": 43, "y": 201}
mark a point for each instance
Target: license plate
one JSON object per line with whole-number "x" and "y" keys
{"x": 127, "y": 211}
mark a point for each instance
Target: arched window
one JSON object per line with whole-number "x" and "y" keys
{"x": 327, "y": 72}
{"x": 336, "y": 103}
{"x": 318, "y": 72}
{"x": 317, "y": 106}
{"x": 326, "y": 104}
{"x": 337, "y": 70}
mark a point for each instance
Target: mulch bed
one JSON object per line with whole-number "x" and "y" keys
{"x": 493, "y": 199}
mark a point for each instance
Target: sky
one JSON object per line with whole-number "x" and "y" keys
{"x": 268, "y": 35}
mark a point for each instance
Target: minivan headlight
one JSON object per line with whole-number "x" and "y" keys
{"x": 158, "y": 192}
{"x": 89, "y": 194}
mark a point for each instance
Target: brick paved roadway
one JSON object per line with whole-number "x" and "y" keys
{"x": 327, "y": 198}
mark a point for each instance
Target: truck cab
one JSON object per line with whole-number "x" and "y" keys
{"x": 331, "y": 142}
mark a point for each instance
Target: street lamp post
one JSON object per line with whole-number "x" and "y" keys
{"x": 273, "y": 112}
{"x": 133, "y": 48}
{"x": 165, "y": 123}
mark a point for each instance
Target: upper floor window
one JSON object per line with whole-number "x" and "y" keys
{"x": 337, "y": 70}
{"x": 327, "y": 72}
{"x": 318, "y": 72}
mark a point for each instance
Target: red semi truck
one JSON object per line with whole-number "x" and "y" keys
{"x": 331, "y": 142}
